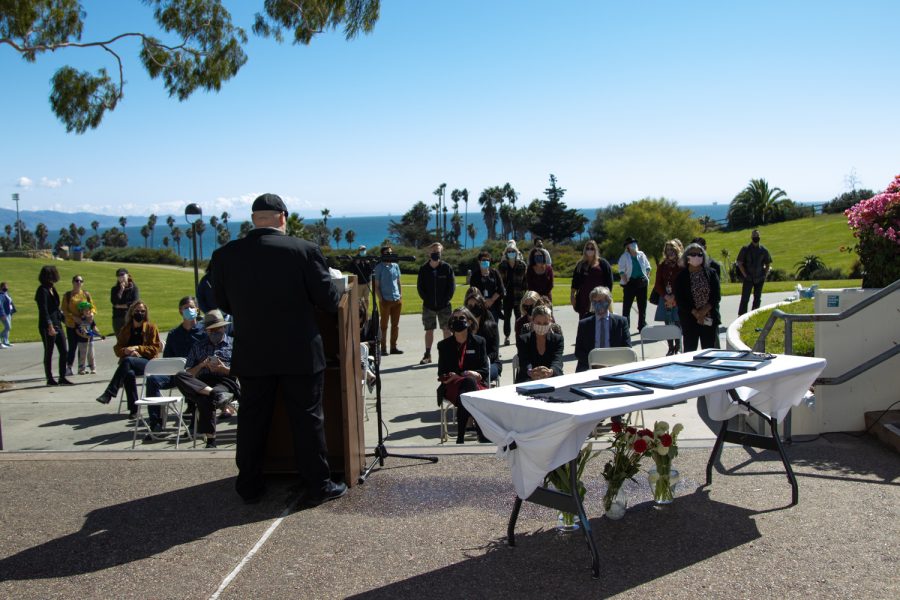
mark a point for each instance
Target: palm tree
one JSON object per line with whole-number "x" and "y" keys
{"x": 464, "y": 194}
{"x": 165, "y": 241}
{"x": 246, "y": 226}
{"x": 437, "y": 210}
{"x": 225, "y": 216}
{"x": 122, "y": 222}
{"x": 223, "y": 236}
{"x": 472, "y": 233}
{"x": 757, "y": 203}
{"x": 176, "y": 237}
{"x": 808, "y": 266}
{"x": 201, "y": 227}
{"x": 41, "y": 233}
{"x": 350, "y": 237}
{"x": 488, "y": 200}
{"x": 337, "y": 233}
{"x": 325, "y": 215}
{"x": 170, "y": 221}
{"x": 95, "y": 225}
{"x": 151, "y": 224}
{"x": 145, "y": 233}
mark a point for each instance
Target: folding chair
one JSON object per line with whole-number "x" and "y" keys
{"x": 447, "y": 408}
{"x": 122, "y": 398}
{"x": 656, "y": 333}
{"x": 608, "y": 357}
{"x": 161, "y": 366}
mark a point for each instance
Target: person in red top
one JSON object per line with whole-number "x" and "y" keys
{"x": 666, "y": 274}
{"x": 539, "y": 276}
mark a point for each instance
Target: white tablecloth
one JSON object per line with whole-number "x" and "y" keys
{"x": 548, "y": 435}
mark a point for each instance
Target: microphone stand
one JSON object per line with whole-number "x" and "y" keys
{"x": 381, "y": 451}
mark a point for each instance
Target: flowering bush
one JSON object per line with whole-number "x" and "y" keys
{"x": 628, "y": 447}
{"x": 876, "y": 224}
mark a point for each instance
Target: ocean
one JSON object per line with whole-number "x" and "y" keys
{"x": 371, "y": 231}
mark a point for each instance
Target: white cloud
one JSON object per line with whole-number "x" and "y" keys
{"x": 24, "y": 182}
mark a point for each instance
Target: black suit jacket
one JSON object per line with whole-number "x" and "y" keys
{"x": 271, "y": 284}
{"x": 528, "y": 355}
{"x": 476, "y": 358}
{"x": 619, "y": 337}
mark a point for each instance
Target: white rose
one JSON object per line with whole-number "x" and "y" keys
{"x": 662, "y": 450}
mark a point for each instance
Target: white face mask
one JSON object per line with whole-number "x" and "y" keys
{"x": 541, "y": 329}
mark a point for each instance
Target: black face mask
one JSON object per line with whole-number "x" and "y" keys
{"x": 435, "y": 256}
{"x": 139, "y": 317}
{"x": 529, "y": 308}
{"x": 754, "y": 240}
{"x": 458, "y": 325}
{"x": 476, "y": 310}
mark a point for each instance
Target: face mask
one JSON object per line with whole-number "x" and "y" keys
{"x": 139, "y": 317}
{"x": 511, "y": 255}
{"x": 633, "y": 247}
{"x": 485, "y": 264}
{"x": 362, "y": 252}
{"x": 217, "y": 336}
{"x": 528, "y": 308}
{"x": 538, "y": 259}
{"x": 475, "y": 310}
{"x": 588, "y": 252}
{"x": 601, "y": 306}
{"x": 541, "y": 329}
{"x": 189, "y": 313}
{"x": 435, "y": 256}
{"x": 754, "y": 240}
{"x": 458, "y": 325}
{"x": 695, "y": 261}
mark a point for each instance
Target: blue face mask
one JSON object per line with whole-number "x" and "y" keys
{"x": 485, "y": 264}
{"x": 362, "y": 252}
{"x": 511, "y": 255}
{"x": 189, "y": 313}
{"x": 216, "y": 336}
{"x": 601, "y": 306}
{"x": 538, "y": 259}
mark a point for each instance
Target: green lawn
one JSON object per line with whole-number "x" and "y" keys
{"x": 803, "y": 333}
{"x": 789, "y": 242}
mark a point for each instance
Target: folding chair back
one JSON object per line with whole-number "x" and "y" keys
{"x": 607, "y": 357}
{"x": 656, "y": 333}
{"x": 161, "y": 367}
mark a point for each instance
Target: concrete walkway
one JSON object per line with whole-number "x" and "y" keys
{"x": 37, "y": 417}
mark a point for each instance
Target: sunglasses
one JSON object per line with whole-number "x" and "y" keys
{"x": 695, "y": 254}
{"x": 79, "y": 281}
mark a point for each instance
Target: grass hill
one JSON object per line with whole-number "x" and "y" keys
{"x": 789, "y": 242}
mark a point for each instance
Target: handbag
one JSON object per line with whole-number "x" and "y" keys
{"x": 654, "y": 297}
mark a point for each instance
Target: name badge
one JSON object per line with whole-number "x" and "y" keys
{"x": 470, "y": 352}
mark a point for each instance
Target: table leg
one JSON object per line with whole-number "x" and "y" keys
{"x": 585, "y": 524}
{"x": 716, "y": 453}
{"x": 511, "y": 527}
{"x": 795, "y": 490}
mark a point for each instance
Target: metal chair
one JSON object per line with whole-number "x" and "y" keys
{"x": 607, "y": 357}
{"x": 657, "y": 333}
{"x": 122, "y": 398}
{"x": 447, "y": 408}
{"x": 161, "y": 366}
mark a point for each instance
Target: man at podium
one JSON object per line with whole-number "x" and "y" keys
{"x": 263, "y": 278}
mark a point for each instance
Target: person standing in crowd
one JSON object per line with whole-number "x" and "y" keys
{"x": 122, "y": 295}
{"x": 666, "y": 274}
{"x": 490, "y": 284}
{"x": 713, "y": 263}
{"x": 206, "y": 299}
{"x": 50, "y": 320}
{"x": 72, "y": 314}
{"x": 487, "y": 328}
{"x": 85, "y": 334}
{"x": 7, "y": 309}
{"x": 539, "y": 276}
{"x": 270, "y": 273}
{"x": 754, "y": 262}
{"x": 591, "y": 271}
{"x": 697, "y": 295}
{"x": 207, "y": 381}
{"x": 361, "y": 266}
{"x": 179, "y": 342}
{"x": 539, "y": 243}
{"x": 512, "y": 272}
{"x": 137, "y": 342}
{"x": 540, "y": 350}
{"x": 386, "y": 282}
{"x": 602, "y": 329}
{"x": 634, "y": 271}
{"x": 462, "y": 367}
{"x": 436, "y": 284}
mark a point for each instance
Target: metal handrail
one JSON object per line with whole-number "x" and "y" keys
{"x": 859, "y": 369}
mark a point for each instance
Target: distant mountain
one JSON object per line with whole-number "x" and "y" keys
{"x": 55, "y": 220}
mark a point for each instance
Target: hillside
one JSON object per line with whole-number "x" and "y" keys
{"x": 789, "y": 242}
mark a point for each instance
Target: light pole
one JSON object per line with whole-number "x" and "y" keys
{"x": 194, "y": 210}
{"x": 15, "y": 198}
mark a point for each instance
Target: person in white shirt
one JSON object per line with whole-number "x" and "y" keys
{"x": 634, "y": 273}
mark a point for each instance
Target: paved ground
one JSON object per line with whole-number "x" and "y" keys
{"x": 36, "y": 417}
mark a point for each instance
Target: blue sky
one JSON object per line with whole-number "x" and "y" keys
{"x": 621, "y": 100}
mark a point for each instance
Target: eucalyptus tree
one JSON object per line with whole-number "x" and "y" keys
{"x": 193, "y": 46}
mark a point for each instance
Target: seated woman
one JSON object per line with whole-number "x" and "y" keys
{"x": 487, "y": 328}
{"x": 136, "y": 343}
{"x": 462, "y": 366}
{"x": 540, "y": 350}
{"x": 529, "y": 301}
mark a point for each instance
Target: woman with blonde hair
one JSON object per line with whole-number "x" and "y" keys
{"x": 136, "y": 343}
{"x": 590, "y": 272}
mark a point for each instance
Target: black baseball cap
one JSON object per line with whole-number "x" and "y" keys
{"x": 269, "y": 202}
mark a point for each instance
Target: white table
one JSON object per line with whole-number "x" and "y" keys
{"x": 537, "y": 436}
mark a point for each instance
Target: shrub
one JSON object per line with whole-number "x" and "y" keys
{"x": 779, "y": 275}
{"x": 826, "y": 274}
{"x": 876, "y": 224}
{"x": 159, "y": 256}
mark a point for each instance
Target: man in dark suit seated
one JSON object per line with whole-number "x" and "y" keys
{"x": 601, "y": 330}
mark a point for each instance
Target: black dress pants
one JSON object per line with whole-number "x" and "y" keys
{"x": 190, "y": 387}
{"x": 635, "y": 289}
{"x": 746, "y": 289}
{"x": 511, "y": 303}
{"x": 693, "y": 332}
{"x": 59, "y": 340}
{"x": 302, "y": 396}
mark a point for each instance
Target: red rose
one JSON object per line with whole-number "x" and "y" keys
{"x": 666, "y": 440}
{"x": 640, "y": 445}
{"x": 616, "y": 427}
{"x": 645, "y": 432}
{"x": 631, "y": 430}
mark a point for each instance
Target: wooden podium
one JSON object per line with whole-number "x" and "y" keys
{"x": 342, "y": 399}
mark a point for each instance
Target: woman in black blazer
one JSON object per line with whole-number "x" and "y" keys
{"x": 698, "y": 294}
{"x": 487, "y": 328}
{"x": 540, "y": 350}
{"x": 462, "y": 366}
{"x": 50, "y": 323}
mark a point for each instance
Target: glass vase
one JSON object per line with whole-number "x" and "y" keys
{"x": 567, "y": 523}
{"x": 615, "y": 502}
{"x": 662, "y": 480}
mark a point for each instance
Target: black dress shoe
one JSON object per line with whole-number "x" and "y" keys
{"x": 52, "y": 381}
{"x": 254, "y": 497}
{"x": 104, "y": 398}
{"x": 64, "y": 381}
{"x": 332, "y": 491}
{"x": 396, "y": 351}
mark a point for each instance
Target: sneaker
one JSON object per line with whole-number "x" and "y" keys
{"x": 69, "y": 371}
{"x": 93, "y": 371}
{"x": 426, "y": 360}
{"x": 104, "y": 398}
{"x": 132, "y": 415}
{"x": 506, "y": 341}
{"x": 82, "y": 371}
{"x": 332, "y": 491}
{"x": 64, "y": 381}
{"x": 396, "y": 351}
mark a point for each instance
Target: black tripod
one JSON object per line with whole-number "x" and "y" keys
{"x": 381, "y": 451}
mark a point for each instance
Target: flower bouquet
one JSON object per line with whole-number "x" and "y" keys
{"x": 628, "y": 447}
{"x": 663, "y": 449}
{"x": 561, "y": 479}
